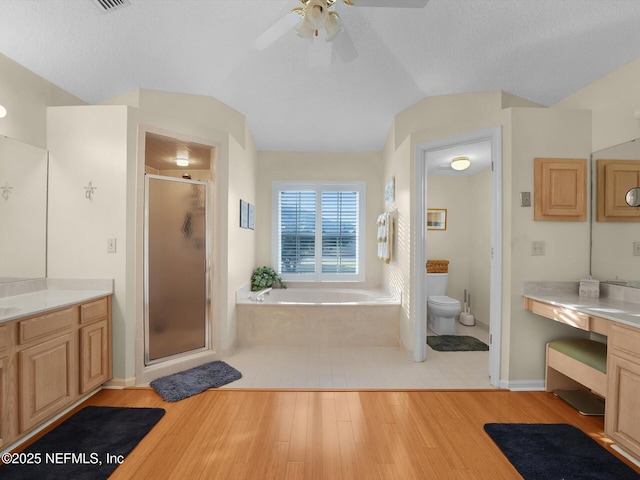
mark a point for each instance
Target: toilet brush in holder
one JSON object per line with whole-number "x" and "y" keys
{"x": 466, "y": 318}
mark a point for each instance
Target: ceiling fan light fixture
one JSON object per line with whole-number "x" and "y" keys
{"x": 460, "y": 163}
{"x": 332, "y": 26}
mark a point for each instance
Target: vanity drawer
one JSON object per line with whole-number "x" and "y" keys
{"x": 625, "y": 340}
{"x": 92, "y": 311}
{"x": 560, "y": 314}
{"x": 43, "y": 325}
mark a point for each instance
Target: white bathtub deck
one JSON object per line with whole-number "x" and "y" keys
{"x": 360, "y": 367}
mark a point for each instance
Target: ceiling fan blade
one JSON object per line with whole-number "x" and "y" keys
{"x": 343, "y": 47}
{"x": 277, "y": 30}
{"x": 389, "y": 3}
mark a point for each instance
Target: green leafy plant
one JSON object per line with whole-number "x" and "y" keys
{"x": 265, "y": 277}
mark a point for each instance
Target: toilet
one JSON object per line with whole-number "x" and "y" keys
{"x": 441, "y": 310}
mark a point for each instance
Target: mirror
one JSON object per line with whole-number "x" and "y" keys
{"x": 613, "y": 242}
{"x": 23, "y": 211}
{"x": 633, "y": 197}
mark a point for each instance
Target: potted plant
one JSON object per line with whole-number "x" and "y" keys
{"x": 265, "y": 277}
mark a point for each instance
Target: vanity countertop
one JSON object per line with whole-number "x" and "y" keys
{"x": 55, "y": 295}
{"x": 607, "y": 307}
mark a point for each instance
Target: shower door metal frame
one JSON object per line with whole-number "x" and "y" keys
{"x": 207, "y": 267}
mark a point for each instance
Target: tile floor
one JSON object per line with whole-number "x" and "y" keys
{"x": 361, "y": 367}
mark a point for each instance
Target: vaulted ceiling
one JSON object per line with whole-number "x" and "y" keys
{"x": 294, "y": 97}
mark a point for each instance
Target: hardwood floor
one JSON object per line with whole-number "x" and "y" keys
{"x": 269, "y": 434}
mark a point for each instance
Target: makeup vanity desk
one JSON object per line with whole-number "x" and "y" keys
{"x": 615, "y": 315}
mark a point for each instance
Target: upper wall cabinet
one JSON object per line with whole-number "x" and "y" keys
{"x": 615, "y": 179}
{"x": 560, "y": 189}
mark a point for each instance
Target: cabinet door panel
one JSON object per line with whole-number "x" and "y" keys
{"x": 4, "y": 399}
{"x": 47, "y": 380}
{"x": 622, "y": 422}
{"x": 95, "y": 365}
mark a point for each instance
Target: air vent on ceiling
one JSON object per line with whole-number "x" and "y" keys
{"x": 106, "y": 6}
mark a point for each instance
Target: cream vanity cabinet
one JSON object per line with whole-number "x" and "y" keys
{"x": 52, "y": 360}
{"x": 622, "y": 422}
{"x": 4, "y": 384}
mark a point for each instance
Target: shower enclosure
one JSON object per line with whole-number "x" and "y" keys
{"x": 176, "y": 268}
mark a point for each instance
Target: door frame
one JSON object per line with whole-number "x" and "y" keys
{"x": 419, "y": 204}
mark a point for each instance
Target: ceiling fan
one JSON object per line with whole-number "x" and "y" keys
{"x": 315, "y": 16}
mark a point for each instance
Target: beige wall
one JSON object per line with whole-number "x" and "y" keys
{"x": 299, "y": 166}
{"x": 26, "y": 97}
{"x": 89, "y": 144}
{"x": 541, "y": 133}
{"x": 613, "y": 99}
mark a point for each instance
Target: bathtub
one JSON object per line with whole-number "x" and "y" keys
{"x": 319, "y": 317}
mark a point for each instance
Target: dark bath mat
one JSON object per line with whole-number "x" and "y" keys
{"x": 87, "y": 446}
{"x": 181, "y": 385}
{"x": 456, "y": 343}
{"x": 556, "y": 452}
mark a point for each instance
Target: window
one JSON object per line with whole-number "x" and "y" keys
{"x": 318, "y": 230}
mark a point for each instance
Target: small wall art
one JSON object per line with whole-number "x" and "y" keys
{"x": 251, "y": 218}
{"x": 390, "y": 191}
{"x": 436, "y": 219}
{"x": 244, "y": 214}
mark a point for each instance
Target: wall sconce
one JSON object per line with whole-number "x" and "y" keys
{"x": 3, "y": 112}
{"x": 6, "y": 190}
{"x": 89, "y": 191}
{"x": 460, "y": 163}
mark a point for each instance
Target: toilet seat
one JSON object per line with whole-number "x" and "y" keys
{"x": 442, "y": 300}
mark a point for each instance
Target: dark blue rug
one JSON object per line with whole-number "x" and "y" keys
{"x": 556, "y": 452}
{"x": 181, "y": 385}
{"x": 87, "y": 446}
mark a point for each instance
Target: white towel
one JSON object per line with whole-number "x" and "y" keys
{"x": 385, "y": 229}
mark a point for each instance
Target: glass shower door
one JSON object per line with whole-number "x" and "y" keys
{"x": 175, "y": 267}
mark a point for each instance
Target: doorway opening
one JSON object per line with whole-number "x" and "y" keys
{"x": 429, "y": 159}
{"x": 177, "y": 250}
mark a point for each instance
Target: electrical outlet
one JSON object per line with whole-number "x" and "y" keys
{"x": 111, "y": 245}
{"x": 537, "y": 248}
{"x": 636, "y": 249}
{"x": 525, "y": 199}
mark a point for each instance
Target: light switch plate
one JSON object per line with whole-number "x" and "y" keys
{"x": 111, "y": 245}
{"x": 525, "y": 199}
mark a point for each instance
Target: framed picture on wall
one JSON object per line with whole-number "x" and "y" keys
{"x": 436, "y": 219}
{"x": 244, "y": 214}
{"x": 251, "y": 218}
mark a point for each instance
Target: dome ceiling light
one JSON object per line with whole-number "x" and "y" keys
{"x": 460, "y": 163}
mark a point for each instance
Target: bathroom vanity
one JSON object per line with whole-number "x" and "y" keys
{"x": 616, "y": 315}
{"x": 55, "y": 349}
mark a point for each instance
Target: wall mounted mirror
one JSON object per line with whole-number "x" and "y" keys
{"x": 23, "y": 211}
{"x": 613, "y": 241}
{"x": 633, "y": 197}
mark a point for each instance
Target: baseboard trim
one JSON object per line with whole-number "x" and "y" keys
{"x": 120, "y": 383}
{"x": 523, "y": 385}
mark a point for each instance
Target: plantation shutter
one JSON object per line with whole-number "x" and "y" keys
{"x": 340, "y": 232}
{"x": 297, "y": 232}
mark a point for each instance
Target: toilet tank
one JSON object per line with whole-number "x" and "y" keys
{"x": 437, "y": 284}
